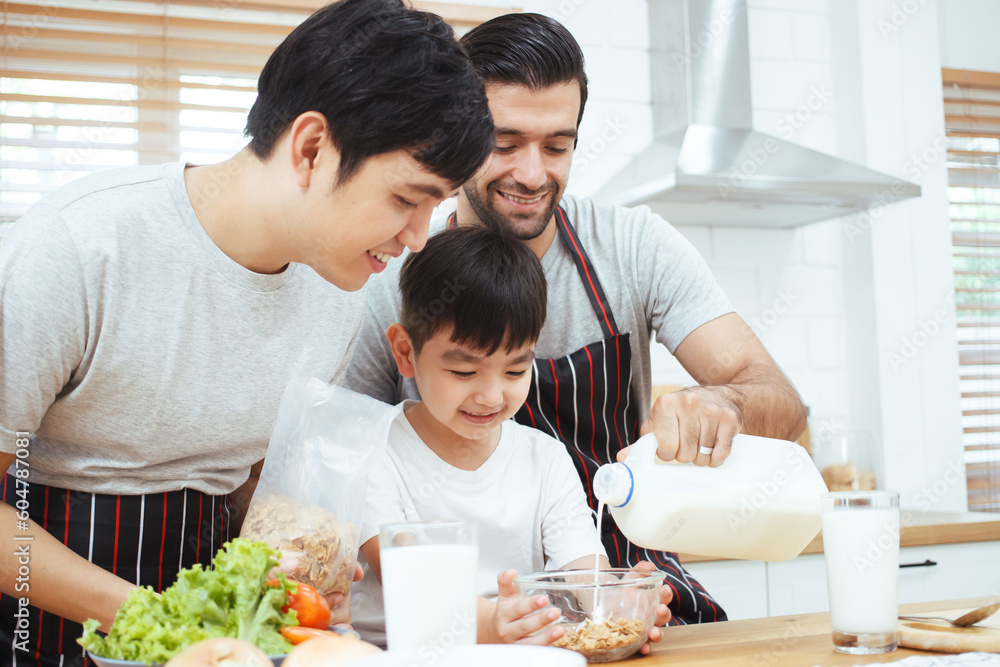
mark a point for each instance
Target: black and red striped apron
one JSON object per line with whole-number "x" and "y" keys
{"x": 145, "y": 539}
{"x": 585, "y": 400}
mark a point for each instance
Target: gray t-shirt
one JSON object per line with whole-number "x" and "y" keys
{"x": 142, "y": 358}
{"x": 652, "y": 276}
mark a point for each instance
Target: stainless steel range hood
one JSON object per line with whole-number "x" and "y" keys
{"x": 707, "y": 165}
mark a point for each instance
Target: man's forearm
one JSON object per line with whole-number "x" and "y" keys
{"x": 770, "y": 405}
{"x": 57, "y": 580}
{"x": 241, "y": 497}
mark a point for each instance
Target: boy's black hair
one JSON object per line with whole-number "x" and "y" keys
{"x": 487, "y": 285}
{"x": 386, "y": 77}
{"x": 527, "y": 49}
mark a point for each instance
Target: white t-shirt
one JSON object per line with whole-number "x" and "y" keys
{"x": 530, "y": 507}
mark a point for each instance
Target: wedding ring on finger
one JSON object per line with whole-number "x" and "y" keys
{"x": 707, "y": 451}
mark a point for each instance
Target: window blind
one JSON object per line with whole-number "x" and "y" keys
{"x": 87, "y": 85}
{"x": 972, "y": 128}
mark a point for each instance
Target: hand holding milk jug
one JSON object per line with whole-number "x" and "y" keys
{"x": 762, "y": 503}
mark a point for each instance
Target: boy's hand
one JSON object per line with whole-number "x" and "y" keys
{"x": 662, "y": 611}
{"x": 515, "y": 619}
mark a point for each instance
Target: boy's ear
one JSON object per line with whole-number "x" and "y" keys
{"x": 402, "y": 350}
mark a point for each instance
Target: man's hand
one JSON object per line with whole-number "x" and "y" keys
{"x": 517, "y": 619}
{"x": 697, "y": 424}
{"x": 662, "y": 611}
{"x": 340, "y": 613}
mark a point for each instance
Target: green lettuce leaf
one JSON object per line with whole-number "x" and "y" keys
{"x": 230, "y": 600}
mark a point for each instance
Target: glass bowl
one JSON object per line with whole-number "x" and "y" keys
{"x": 607, "y": 614}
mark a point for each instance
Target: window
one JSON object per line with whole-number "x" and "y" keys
{"x": 88, "y": 85}
{"x": 972, "y": 125}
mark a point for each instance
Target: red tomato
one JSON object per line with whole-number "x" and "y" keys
{"x": 310, "y": 607}
{"x": 296, "y": 634}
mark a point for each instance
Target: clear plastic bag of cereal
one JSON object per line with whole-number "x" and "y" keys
{"x": 311, "y": 495}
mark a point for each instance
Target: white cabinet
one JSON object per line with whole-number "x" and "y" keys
{"x": 797, "y": 586}
{"x": 751, "y": 589}
{"x": 963, "y": 570}
{"x": 740, "y": 586}
{"x": 968, "y": 569}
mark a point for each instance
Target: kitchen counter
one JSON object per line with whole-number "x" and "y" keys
{"x": 922, "y": 528}
{"x": 801, "y": 641}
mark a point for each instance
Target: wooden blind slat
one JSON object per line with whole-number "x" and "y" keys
{"x": 990, "y": 154}
{"x": 202, "y": 66}
{"x": 971, "y": 78}
{"x": 128, "y": 80}
{"x": 150, "y": 19}
{"x": 104, "y": 102}
{"x": 228, "y": 47}
{"x": 77, "y": 122}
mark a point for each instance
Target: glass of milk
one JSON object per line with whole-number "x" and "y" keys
{"x": 429, "y": 584}
{"x": 861, "y": 547}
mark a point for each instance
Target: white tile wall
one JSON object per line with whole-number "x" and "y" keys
{"x": 790, "y": 5}
{"x": 619, "y": 74}
{"x": 969, "y": 33}
{"x": 811, "y": 36}
{"x": 766, "y": 248}
{"x": 792, "y": 86}
{"x": 771, "y": 34}
{"x": 821, "y": 244}
{"x": 626, "y": 24}
{"x": 740, "y": 285}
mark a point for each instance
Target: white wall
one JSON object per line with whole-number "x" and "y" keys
{"x": 836, "y": 302}
{"x": 968, "y": 30}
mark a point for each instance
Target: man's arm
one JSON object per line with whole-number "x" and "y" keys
{"x": 60, "y": 581}
{"x": 740, "y": 389}
{"x": 242, "y": 496}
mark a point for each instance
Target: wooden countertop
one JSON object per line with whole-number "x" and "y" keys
{"x": 922, "y": 528}
{"x": 780, "y": 641}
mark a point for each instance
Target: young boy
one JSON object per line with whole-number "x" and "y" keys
{"x": 473, "y": 304}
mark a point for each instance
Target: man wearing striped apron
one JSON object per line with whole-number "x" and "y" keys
{"x": 615, "y": 275}
{"x": 151, "y": 317}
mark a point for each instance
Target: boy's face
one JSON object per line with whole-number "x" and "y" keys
{"x": 464, "y": 389}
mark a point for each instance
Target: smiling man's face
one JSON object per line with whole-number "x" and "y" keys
{"x": 521, "y": 183}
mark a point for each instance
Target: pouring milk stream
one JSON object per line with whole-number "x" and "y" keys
{"x": 762, "y": 503}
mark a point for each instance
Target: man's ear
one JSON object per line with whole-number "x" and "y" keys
{"x": 309, "y": 147}
{"x": 402, "y": 350}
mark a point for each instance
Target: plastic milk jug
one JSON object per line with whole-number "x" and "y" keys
{"x": 762, "y": 503}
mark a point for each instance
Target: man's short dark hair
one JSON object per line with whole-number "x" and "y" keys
{"x": 527, "y": 49}
{"x": 386, "y": 78}
{"x": 487, "y": 285}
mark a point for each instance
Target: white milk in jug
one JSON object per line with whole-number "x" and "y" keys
{"x": 762, "y": 503}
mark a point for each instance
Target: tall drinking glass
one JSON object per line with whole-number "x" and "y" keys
{"x": 429, "y": 584}
{"x": 861, "y": 547}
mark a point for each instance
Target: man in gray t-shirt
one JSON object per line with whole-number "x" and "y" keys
{"x": 151, "y": 317}
{"x": 614, "y": 276}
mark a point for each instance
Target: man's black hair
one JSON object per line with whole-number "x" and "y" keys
{"x": 527, "y": 49}
{"x": 386, "y": 77}
{"x": 487, "y": 285}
